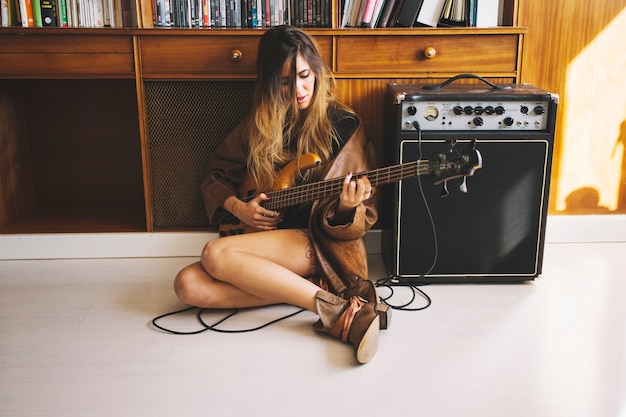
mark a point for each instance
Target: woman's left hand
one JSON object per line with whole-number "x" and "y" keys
{"x": 353, "y": 193}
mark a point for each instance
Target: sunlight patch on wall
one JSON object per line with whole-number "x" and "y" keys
{"x": 593, "y": 148}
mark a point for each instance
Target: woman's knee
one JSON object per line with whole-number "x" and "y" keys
{"x": 214, "y": 255}
{"x": 186, "y": 284}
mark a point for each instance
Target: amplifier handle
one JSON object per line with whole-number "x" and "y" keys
{"x": 458, "y": 77}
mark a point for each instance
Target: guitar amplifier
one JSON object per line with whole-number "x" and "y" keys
{"x": 488, "y": 225}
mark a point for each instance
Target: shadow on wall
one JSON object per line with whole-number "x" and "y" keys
{"x": 586, "y": 200}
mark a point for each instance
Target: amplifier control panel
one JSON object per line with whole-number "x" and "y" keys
{"x": 474, "y": 114}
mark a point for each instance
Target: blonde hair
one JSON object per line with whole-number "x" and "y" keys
{"x": 278, "y": 131}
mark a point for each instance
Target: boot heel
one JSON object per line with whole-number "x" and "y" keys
{"x": 368, "y": 345}
{"x": 384, "y": 313}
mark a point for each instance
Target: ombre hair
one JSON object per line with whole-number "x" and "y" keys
{"x": 278, "y": 130}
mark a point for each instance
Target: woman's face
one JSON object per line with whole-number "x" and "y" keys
{"x": 305, "y": 82}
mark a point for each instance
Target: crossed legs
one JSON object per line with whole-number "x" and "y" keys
{"x": 251, "y": 270}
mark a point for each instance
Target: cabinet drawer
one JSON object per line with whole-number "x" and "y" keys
{"x": 198, "y": 55}
{"x": 419, "y": 54}
{"x": 60, "y": 56}
{"x": 205, "y": 56}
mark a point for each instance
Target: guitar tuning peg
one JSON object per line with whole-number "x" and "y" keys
{"x": 463, "y": 186}
{"x": 444, "y": 190}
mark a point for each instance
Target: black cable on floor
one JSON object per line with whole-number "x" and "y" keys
{"x": 213, "y": 327}
{"x": 390, "y": 282}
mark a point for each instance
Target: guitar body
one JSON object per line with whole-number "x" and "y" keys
{"x": 285, "y": 179}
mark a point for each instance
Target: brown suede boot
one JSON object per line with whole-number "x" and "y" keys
{"x": 365, "y": 288}
{"x": 354, "y": 321}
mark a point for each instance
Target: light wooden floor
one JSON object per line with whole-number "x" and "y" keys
{"x": 76, "y": 340}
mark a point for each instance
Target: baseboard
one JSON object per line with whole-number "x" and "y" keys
{"x": 560, "y": 229}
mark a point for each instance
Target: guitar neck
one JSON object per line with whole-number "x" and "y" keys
{"x": 280, "y": 199}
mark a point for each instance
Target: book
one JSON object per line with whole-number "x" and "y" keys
{"x": 387, "y": 12}
{"x": 97, "y": 14}
{"x": 72, "y": 13}
{"x": 48, "y": 13}
{"x": 37, "y": 13}
{"x": 506, "y": 12}
{"x": 344, "y": 12}
{"x": 408, "y": 13}
{"x": 430, "y": 12}
{"x": 487, "y": 13}
{"x": 368, "y": 13}
{"x": 455, "y": 14}
{"x": 61, "y": 13}
{"x": 147, "y": 13}
{"x": 8, "y": 13}
{"x": 354, "y": 13}
{"x": 26, "y": 13}
{"x": 378, "y": 8}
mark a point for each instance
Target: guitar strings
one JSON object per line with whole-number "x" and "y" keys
{"x": 312, "y": 191}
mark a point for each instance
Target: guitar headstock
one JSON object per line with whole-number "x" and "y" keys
{"x": 454, "y": 163}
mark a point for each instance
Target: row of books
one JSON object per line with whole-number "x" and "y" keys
{"x": 68, "y": 13}
{"x": 241, "y": 13}
{"x": 252, "y": 13}
{"x": 423, "y": 13}
{"x": 166, "y": 13}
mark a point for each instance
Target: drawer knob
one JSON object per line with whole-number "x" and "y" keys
{"x": 430, "y": 52}
{"x": 236, "y": 55}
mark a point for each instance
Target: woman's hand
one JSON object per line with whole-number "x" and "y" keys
{"x": 253, "y": 213}
{"x": 352, "y": 194}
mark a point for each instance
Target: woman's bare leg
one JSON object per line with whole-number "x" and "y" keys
{"x": 194, "y": 286}
{"x": 251, "y": 270}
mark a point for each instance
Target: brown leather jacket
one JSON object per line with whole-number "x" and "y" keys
{"x": 340, "y": 249}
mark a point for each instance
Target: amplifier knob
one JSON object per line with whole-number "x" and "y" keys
{"x": 411, "y": 110}
{"x": 468, "y": 110}
{"x": 539, "y": 110}
{"x": 499, "y": 110}
{"x": 478, "y": 110}
{"x": 458, "y": 110}
{"x": 489, "y": 110}
{"x": 508, "y": 121}
{"x": 478, "y": 121}
{"x": 524, "y": 109}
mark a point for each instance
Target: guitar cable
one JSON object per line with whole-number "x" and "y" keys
{"x": 213, "y": 327}
{"x": 395, "y": 280}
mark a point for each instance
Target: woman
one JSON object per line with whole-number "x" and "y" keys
{"x": 294, "y": 113}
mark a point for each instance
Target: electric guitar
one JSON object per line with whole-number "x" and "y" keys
{"x": 440, "y": 168}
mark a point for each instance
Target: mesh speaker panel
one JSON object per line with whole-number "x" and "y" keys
{"x": 187, "y": 120}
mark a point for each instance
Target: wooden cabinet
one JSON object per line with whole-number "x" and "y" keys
{"x": 81, "y": 109}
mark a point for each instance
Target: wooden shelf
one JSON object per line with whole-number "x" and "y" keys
{"x": 80, "y": 218}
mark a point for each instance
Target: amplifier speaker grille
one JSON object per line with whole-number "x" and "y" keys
{"x": 187, "y": 120}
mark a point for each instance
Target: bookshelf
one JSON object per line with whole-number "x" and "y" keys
{"x": 257, "y": 14}
{"x": 86, "y": 114}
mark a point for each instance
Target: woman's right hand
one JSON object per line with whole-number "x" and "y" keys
{"x": 253, "y": 213}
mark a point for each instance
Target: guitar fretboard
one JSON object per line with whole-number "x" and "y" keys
{"x": 304, "y": 193}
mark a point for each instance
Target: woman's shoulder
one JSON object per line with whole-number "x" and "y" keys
{"x": 345, "y": 122}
